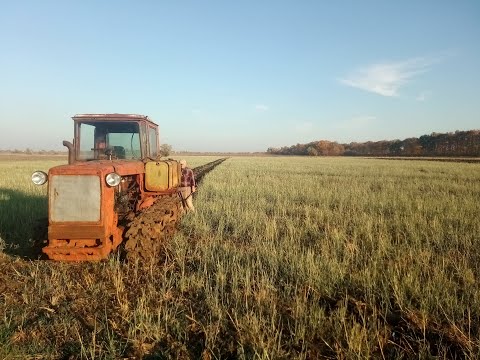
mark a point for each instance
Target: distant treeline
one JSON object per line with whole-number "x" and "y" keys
{"x": 459, "y": 143}
{"x": 29, "y": 151}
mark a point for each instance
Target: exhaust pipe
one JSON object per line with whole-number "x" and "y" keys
{"x": 71, "y": 153}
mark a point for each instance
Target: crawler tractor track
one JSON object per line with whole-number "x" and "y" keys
{"x": 147, "y": 233}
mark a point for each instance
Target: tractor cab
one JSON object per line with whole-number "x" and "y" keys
{"x": 113, "y": 137}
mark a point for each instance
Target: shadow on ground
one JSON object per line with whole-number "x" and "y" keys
{"x": 23, "y": 223}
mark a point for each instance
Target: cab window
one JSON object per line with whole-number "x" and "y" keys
{"x": 109, "y": 140}
{"x": 152, "y": 141}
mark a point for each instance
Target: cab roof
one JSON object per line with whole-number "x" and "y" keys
{"x": 112, "y": 117}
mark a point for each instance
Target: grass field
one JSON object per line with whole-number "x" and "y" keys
{"x": 285, "y": 258}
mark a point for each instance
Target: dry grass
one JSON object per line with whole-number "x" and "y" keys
{"x": 285, "y": 258}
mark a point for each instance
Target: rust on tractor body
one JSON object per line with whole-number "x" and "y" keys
{"x": 93, "y": 198}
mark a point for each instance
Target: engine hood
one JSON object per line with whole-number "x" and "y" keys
{"x": 122, "y": 168}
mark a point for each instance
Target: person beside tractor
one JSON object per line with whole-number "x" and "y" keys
{"x": 187, "y": 186}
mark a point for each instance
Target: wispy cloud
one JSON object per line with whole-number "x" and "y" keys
{"x": 387, "y": 78}
{"x": 261, "y": 107}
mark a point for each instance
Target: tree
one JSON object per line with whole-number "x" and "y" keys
{"x": 165, "y": 149}
{"x": 311, "y": 151}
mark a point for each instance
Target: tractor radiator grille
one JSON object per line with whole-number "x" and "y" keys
{"x": 74, "y": 198}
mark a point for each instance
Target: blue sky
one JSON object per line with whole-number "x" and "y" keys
{"x": 240, "y": 75}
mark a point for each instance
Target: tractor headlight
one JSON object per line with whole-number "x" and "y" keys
{"x": 113, "y": 179}
{"x": 39, "y": 178}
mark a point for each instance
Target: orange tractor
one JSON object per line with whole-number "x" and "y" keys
{"x": 115, "y": 188}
